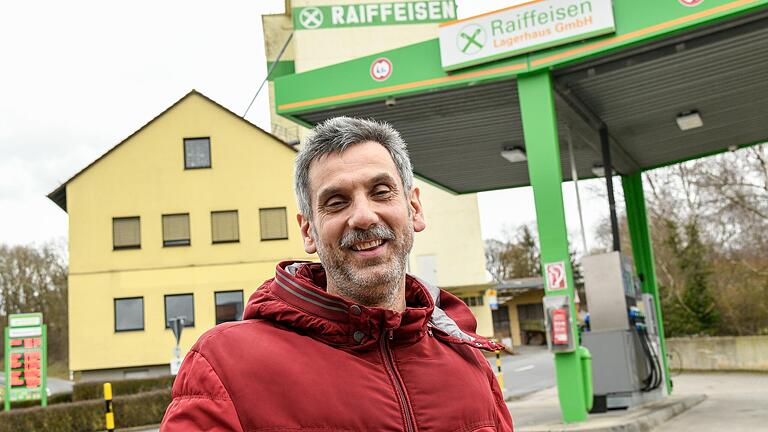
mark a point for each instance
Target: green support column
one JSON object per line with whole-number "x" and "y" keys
{"x": 642, "y": 252}
{"x": 537, "y": 107}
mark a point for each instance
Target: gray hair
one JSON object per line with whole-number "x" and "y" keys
{"x": 336, "y": 135}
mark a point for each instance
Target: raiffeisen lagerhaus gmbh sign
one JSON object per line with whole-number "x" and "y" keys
{"x": 520, "y": 29}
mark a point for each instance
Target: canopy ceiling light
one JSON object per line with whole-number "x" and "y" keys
{"x": 689, "y": 120}
{"x": 598, "y": 170}
{"x": 514, "y": 154}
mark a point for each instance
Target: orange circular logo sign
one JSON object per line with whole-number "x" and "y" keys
{"x": 381, "y": 69}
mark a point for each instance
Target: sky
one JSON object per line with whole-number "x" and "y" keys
{"x": 78, "y": 77}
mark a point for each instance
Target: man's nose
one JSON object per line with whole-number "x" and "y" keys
{"x": 363, "y": 215}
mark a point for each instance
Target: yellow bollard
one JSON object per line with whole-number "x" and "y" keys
{"x": 110, "y": 415}
{"x": 499, "y": 373}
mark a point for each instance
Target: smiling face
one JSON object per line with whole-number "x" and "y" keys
{"x": 362, "y": 225}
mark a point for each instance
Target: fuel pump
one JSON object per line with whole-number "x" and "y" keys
{"x": 624, "y": 344}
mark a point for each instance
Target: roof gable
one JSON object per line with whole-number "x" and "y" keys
{"x": 59, "y": 195}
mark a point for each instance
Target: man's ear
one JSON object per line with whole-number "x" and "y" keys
{"x": 306, "y": 234}
{"x": 417, "y": 212}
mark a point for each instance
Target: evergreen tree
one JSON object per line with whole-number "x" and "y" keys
{"x": 689, "y": 308}
{"x": 517, "y": 257}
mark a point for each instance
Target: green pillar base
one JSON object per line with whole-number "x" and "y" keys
{"x": 570, "y": 387}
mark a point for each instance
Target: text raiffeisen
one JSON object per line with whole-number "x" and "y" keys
{"x": 392, "y": 13}
{"x": 531, "y": 18}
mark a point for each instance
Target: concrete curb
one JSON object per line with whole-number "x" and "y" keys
{"x": 521, "y": 396}
{"x": 656, "y": 418}
{"x": 644, "y": 419}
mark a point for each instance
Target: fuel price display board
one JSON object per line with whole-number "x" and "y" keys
{"x": 25, "y": 359}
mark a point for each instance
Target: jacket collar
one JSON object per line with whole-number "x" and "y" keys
{"x": 296, "y": 298}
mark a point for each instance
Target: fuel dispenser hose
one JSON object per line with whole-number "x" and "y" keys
{"x": 653, "y": 381}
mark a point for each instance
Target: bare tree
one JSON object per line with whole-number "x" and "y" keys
{"x": 34, "y": 279}
{"x": 734, "y": 186}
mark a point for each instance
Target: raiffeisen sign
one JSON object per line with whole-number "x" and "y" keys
{"x": 519, "y": 29}
{"x": 370, "y": 14}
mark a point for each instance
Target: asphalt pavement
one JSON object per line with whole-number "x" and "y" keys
{"x": 529, "y": 370}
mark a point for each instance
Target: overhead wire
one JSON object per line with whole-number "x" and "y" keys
{"x": 269, "y": 72}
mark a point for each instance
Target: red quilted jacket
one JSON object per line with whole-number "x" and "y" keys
{"x": 303, "y": 359}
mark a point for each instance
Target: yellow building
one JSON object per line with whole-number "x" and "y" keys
{"x": 185, "y": 217}
{"x": 519, "y": 319}
{"x": 317, "y": 33}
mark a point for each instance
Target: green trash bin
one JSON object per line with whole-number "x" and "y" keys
{"x": 586, "y": 371}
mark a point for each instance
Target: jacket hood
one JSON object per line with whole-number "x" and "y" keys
{"x": 296, "y": 298}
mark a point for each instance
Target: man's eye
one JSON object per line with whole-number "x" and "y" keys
{"x": 381, "y": 192}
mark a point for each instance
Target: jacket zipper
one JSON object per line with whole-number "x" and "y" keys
{"x": 389, "y": 364}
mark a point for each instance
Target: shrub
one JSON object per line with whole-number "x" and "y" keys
{"x": 95, "y": 389}
{"x": 141, "y": 409}
{"x": 134, "y": 410}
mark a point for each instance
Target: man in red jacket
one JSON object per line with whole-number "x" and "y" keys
{"x": 353, "y": 343}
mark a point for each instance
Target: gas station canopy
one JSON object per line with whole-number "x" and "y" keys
{"x": 667, "y": 59}
{"x": 499, "y": 98}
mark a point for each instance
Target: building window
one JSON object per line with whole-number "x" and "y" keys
{"x": 176, "y": 230}
{"x": 197, "y": 153}
{"x": 229, "y": 306}
{"x": 473, "y": 300}
{"x": 129, "y": 314}
{"x": 224, "y": 227}
{"x": 180, "y": 305}
{"x": 274, "y": 223}
{"x": 126, "y": 233}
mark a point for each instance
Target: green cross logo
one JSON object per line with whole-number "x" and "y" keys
{"x": 311, "y": 17}
{"x": 471, "y": 39}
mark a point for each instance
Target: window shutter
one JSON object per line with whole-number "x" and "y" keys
{"x": 274, "y": 223}
{"x": 176, "y": 229}
{"x": 224, "y": 226}
{"x": 125, "y": 232}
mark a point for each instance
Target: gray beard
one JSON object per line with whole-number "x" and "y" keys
{"x": 380, "y": 289}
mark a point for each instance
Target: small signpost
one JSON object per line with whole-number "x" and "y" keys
{"x": 176, "y": 325}
{"x": 493, "y": 300}
{"x": 26, "y": 355}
